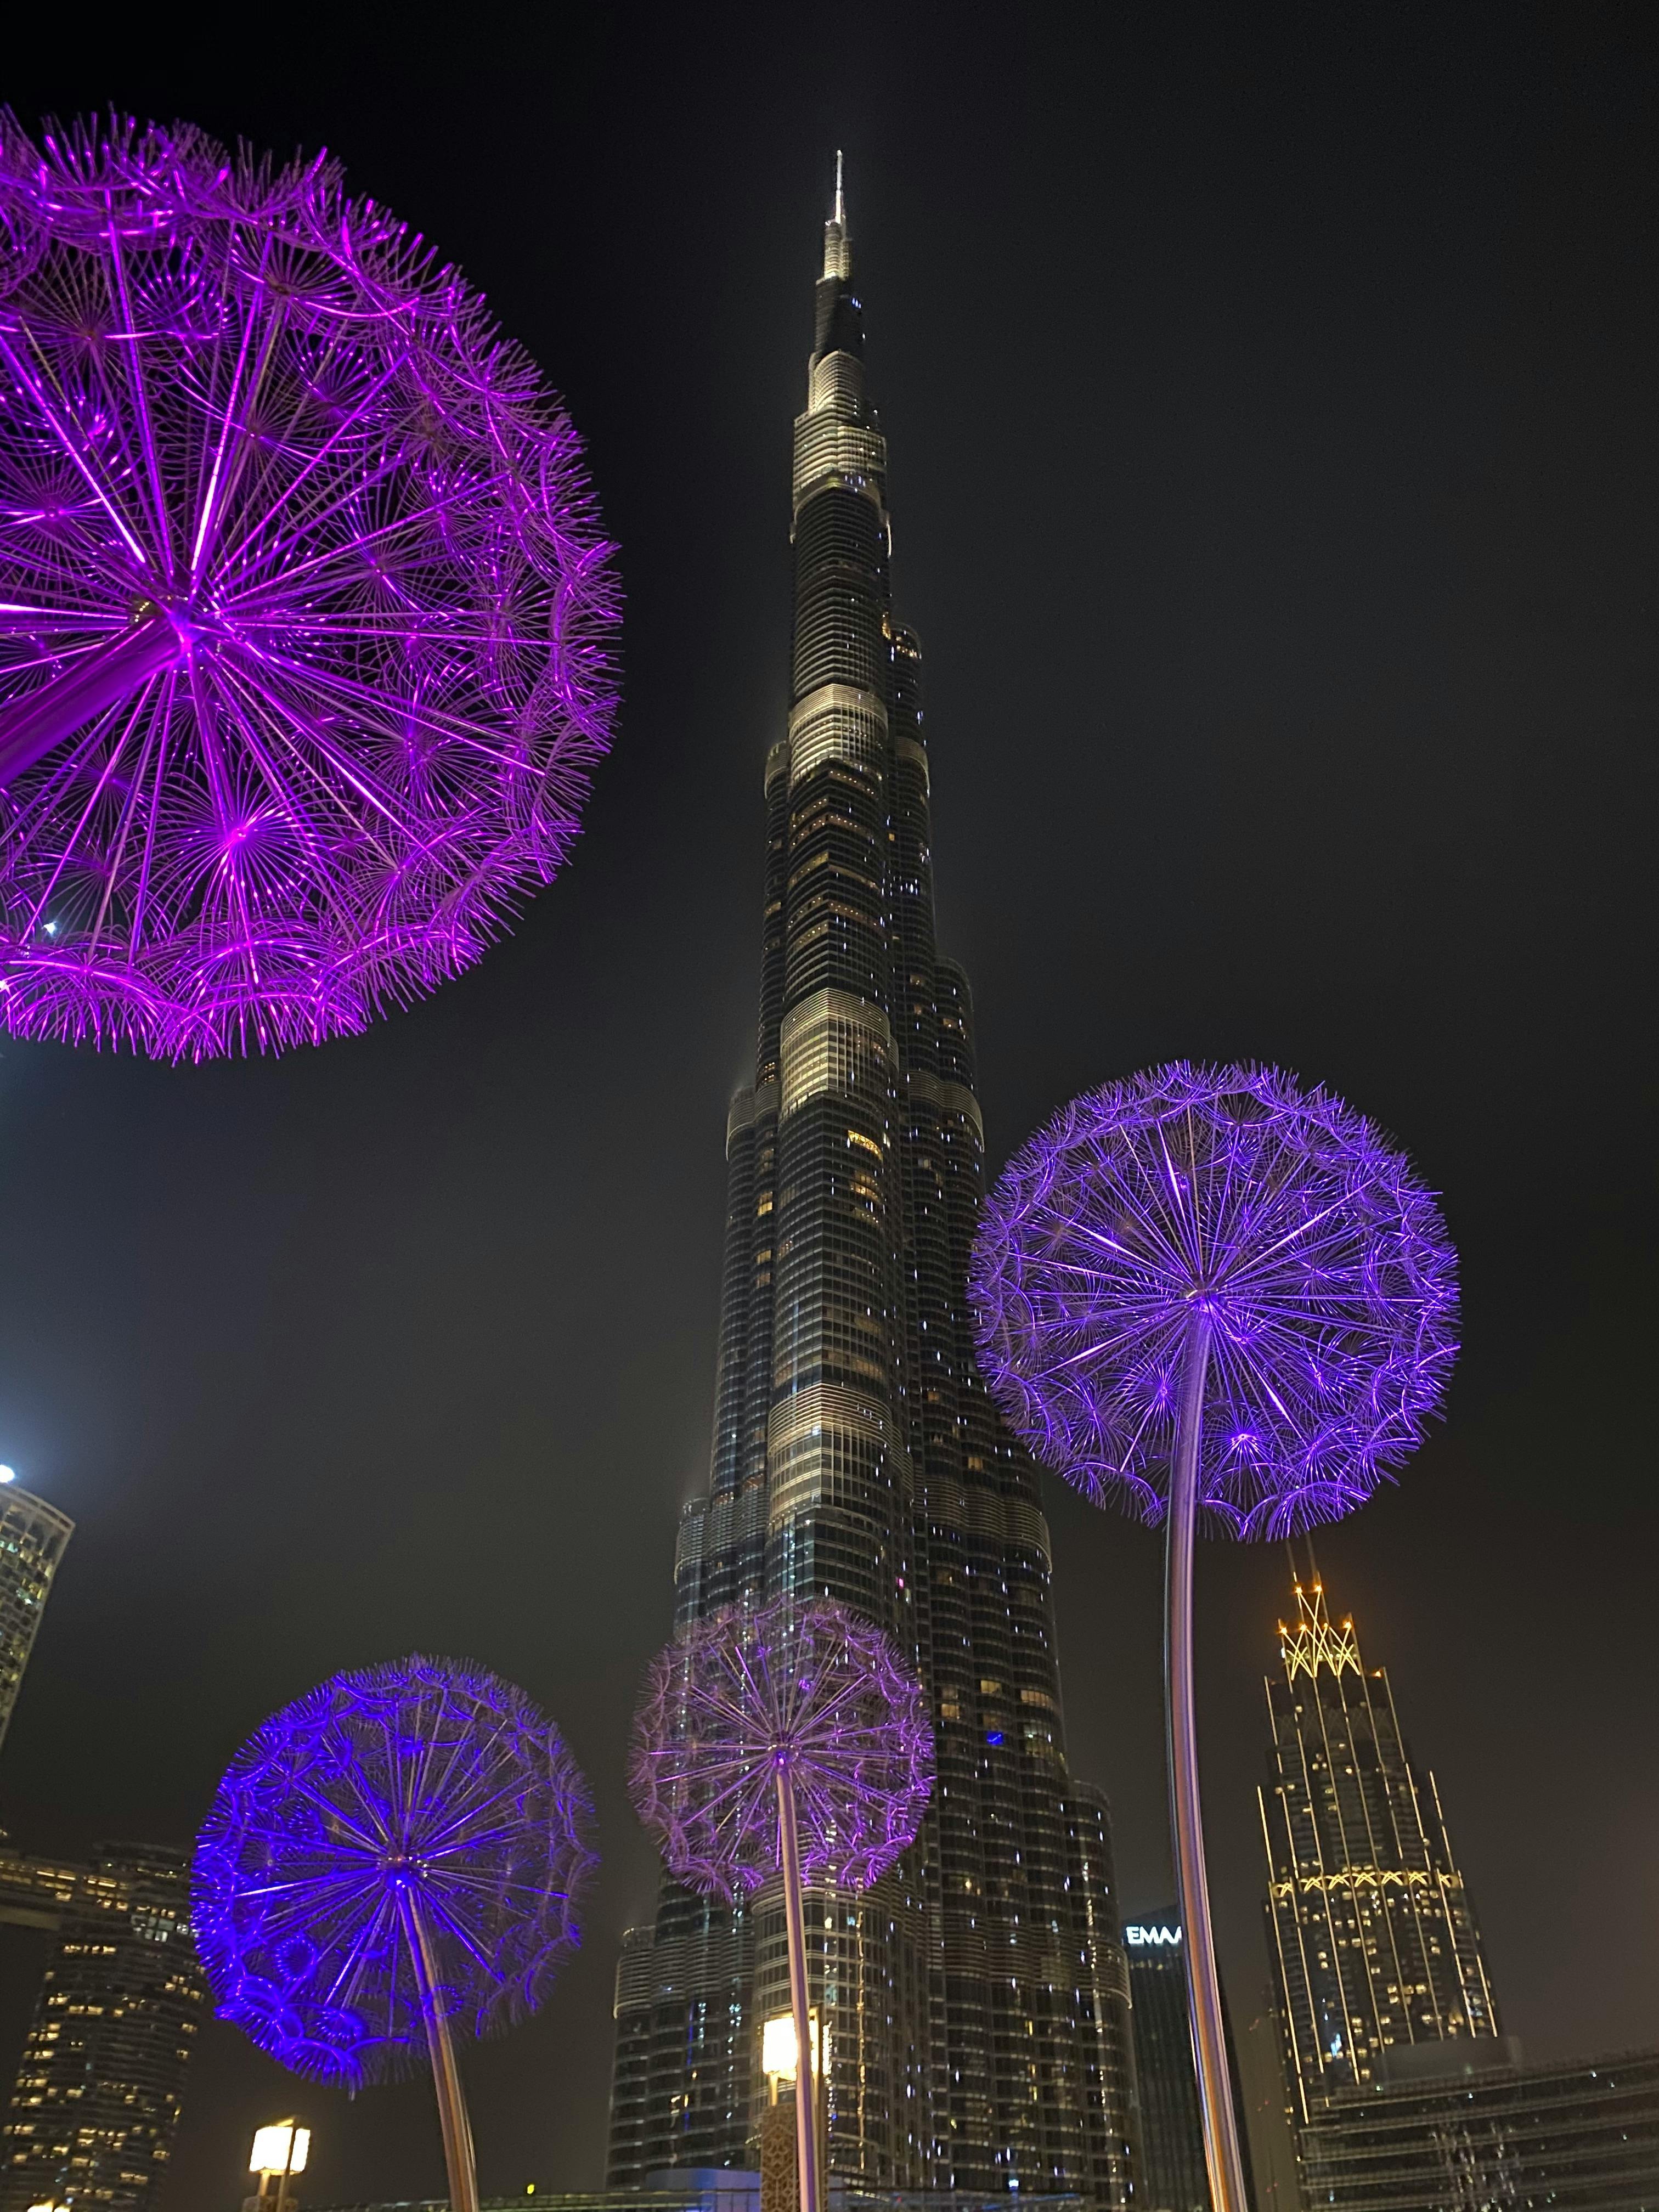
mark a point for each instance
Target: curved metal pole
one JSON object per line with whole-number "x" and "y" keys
{"x": 31, "y": 726}
{"x": 1221, "y": 2152}
{"x": 794, "y": 1921}
{"x": 446, "y": 2075}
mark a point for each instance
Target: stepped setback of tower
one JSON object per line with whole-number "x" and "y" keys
{"x": 1376, "y": 1952}
{"x": 976, "y": 1998}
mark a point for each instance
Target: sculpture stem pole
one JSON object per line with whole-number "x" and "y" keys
{"x": 794, "y": 1918}
{"x": 33, "y": 725}
{"x": 446, "y": 2075}
{"x": 1221, "y": 2151}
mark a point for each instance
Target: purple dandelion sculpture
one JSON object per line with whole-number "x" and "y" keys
{"x": 1210, "y": 1291}
{"x": 397, "y": 1850}
{"x": 793, "y": 1740}
{"x": 306, "y": 619}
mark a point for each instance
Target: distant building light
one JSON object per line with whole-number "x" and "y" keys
{"x": 994, "y": 1736}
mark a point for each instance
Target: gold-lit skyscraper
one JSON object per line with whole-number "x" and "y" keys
{"x": 32, "y": 1535}
{"x": 1375, "y": 1947}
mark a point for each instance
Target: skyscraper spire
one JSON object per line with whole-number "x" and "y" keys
{"x": 837, "y": 245}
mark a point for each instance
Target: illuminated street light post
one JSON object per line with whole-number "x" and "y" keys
{"x": 400, "y": 1845}
{"x": 306, "y": 618}
{"x": 279, "y": 2152}
{"x": 780, "y": 2063}
{"x": 1208, "y": 1291}
{"x": 793, "y": 1740}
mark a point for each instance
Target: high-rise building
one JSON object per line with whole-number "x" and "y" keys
{"x": 1578, "y": 2135}
{"x": 96, "y": 2102}
{"x": 1170, "y": 2171}
{"x": 32, "y": 1535}
{"x": 1170, "y": 2174}
{"x": 975, "y": 1999}
{"x": 1371, "y": 1935}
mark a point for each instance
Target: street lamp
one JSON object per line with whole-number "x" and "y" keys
{"x": 780, "y": 2124}
{"x": 780, "y": 2056}
{"x": 279, "y": 2153}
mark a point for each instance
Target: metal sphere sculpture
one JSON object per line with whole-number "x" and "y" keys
{"x": 397, "y": 1850}
{"x": 793, "y": 1740}
{"x": 1209, "y": 1290}
{"x": 306, "y": 618}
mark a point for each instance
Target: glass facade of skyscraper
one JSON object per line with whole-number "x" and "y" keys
{"x": 32, "y": 1535}
{"x": 1170, "y": 2172}
{"x": 1372, "y": 1937}
{"x": 976, "y": 1997}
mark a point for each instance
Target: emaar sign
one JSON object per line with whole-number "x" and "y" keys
{"x": 1140, "y": 1938}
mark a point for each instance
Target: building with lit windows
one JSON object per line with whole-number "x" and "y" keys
{"x": 1169, "y": 2169}
{"x": 96, "y": 2102}
{"x": 1169, "y": 2175}
{"x": 976, "y": 1997}
{"x": 32, "y": 1535}
{"x": 1578, "y": 2136}
{"x": 1373, "y": 1941}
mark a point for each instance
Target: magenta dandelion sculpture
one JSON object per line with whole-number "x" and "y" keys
{"x": 785, "y": 1741}
{"x": 305, "y": 613}
{"x": 397, "y": 1851}
{"x": 1206, "y": 1291}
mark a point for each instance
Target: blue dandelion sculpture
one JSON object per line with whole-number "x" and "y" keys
{"x": 1214, "y": 1295}
{"x": 395, "y": 1856}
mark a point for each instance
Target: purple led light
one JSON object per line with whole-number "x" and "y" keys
{"x": 306, "y": 619}
{"x": 426, "y": 1784}
{"x": 1321, "y": 1260}
{"x": 818, "y": 1692}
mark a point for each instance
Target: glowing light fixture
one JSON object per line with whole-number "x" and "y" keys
{"x": 282, "y": 2147}
{"x": 790, "y": 1741}
{"x": 9, "y": 1474}
{"x": 1209, "y": 1293}
{"x": 779, "y": 2052}
{"x": 390, "y": 1860}
{"x": 306, "y": 618}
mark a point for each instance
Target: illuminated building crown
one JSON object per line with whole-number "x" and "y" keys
{"x": 1313, "y": 1642}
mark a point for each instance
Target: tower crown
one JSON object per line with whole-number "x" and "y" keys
{"x": 1313, "y": 1642}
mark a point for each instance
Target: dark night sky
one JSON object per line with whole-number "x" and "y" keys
{"x": 1272, "y": 400}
